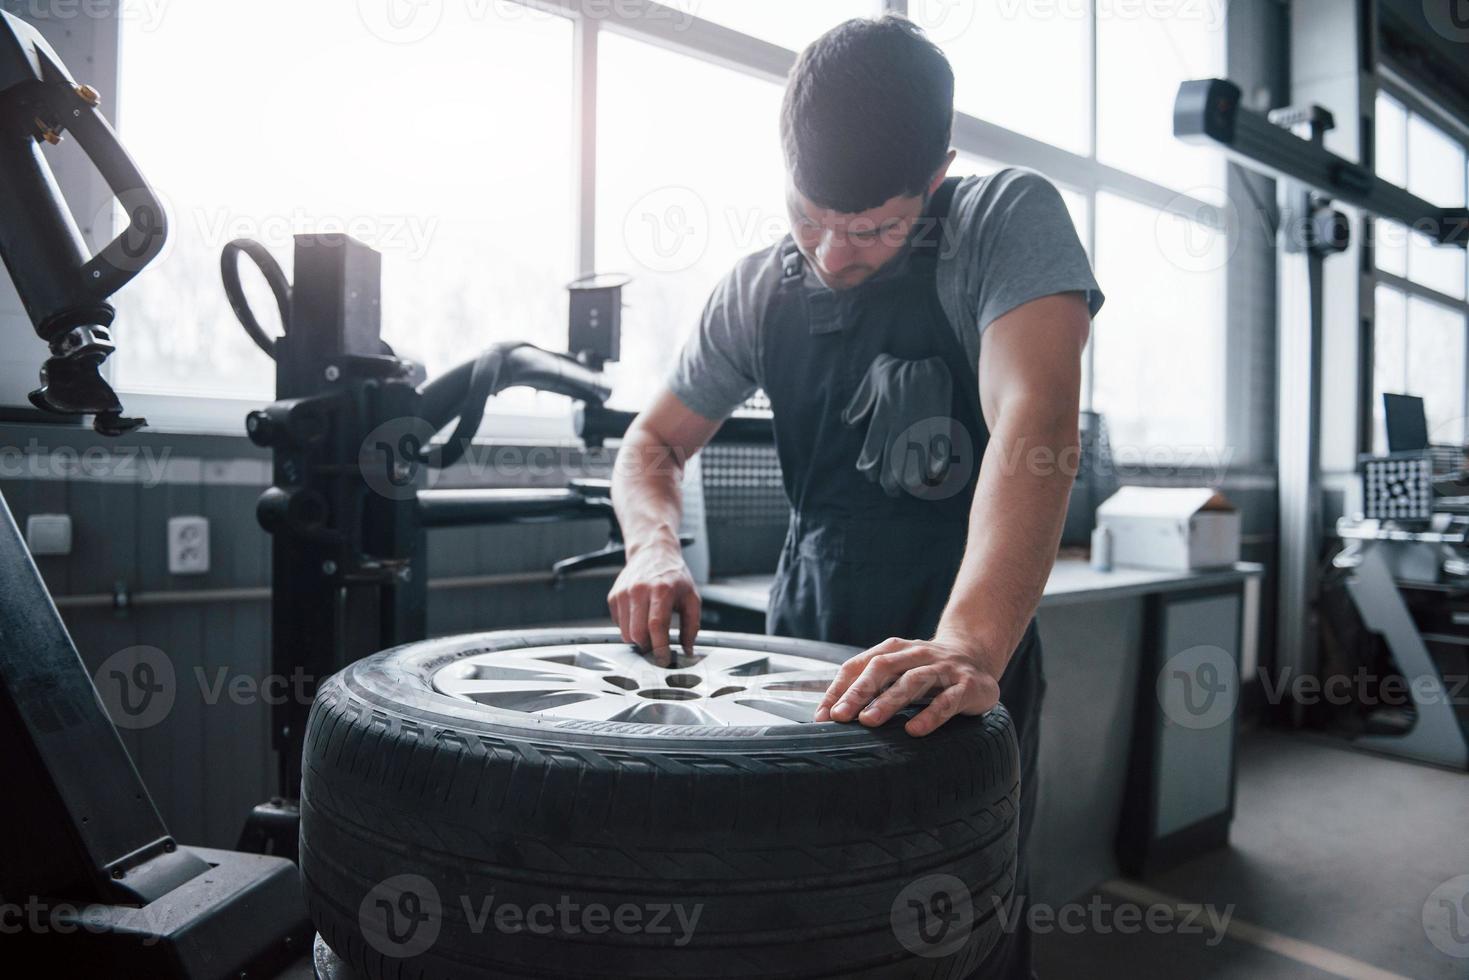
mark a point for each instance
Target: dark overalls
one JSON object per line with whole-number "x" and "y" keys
{"x": 858, "y": 565}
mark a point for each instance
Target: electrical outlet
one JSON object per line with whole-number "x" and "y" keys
{"x": 188, "y": 545}
{"x": 49, "y": 534}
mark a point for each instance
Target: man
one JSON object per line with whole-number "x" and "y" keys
{"x": 920, "y": 340}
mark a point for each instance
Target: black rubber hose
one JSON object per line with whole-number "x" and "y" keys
{"x": 462, "y": 392}
{"x": 229, "y": 270}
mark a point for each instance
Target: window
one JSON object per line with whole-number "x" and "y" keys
{"x": 1435, "y": 164}
{"x": 1421, "y": 323}
{"x": 1392, "y": 140}
{"x": 1413, "y": 153}
{"x": 1141, "y": 60}
{"x": 791, "y": 25}
{"x": 1024, "y": 66}
{"x": 1436, "y": 173}
{"x": 1159, "y": 358}
{"x": 682, "y": 193}
{"x": 1420, "y": 350}
{"x": 334, "y": 126}
{"x": 358, "y": 108}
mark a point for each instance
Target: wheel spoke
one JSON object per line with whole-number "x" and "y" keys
{"x": 554, "y": 664}
{"x": 738, "y": 663}
{"x": 603, "y": 707}
{"x": 755, "y": 711}
{"x": 663, "y": 713}
{"x": 796, "y": 680}
{"x": 469, "y": 687}
{"x": 528, "y": 697}
{"x": 775, "y": 692}
{"x": 623, "y": 658}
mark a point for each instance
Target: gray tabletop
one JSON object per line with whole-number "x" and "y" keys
{"x": 1071, "y": 581}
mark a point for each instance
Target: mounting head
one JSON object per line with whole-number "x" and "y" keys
{"x": 595, "y": 335}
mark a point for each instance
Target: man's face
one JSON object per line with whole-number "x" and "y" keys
{"x": 847, "y": 249}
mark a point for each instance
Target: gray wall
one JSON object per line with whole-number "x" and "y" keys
{"x": 208, "y": 761}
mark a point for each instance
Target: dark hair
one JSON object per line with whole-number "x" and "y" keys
{"x": 867, "y": 114}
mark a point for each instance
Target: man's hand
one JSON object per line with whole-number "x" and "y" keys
{"x": 645, "y": 491}
{"x": 877, "y": 683}
{"x": 654, "y": 584}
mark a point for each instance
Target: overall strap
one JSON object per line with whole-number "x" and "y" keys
{"x": 934, "y": 233}
{"x": 792, "y": 263}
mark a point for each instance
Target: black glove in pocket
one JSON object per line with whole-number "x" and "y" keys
{"x": 894, "y": 396}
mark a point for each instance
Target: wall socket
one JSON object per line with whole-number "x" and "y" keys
{"x": 49, "y": 534}
{"x": 188, "y": 545}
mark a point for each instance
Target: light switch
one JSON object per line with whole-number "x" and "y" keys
{"x": 49, "y": 534}
{"x": 188, "y": 545}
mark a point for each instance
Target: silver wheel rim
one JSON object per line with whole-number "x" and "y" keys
{"x": 614, "y": 682}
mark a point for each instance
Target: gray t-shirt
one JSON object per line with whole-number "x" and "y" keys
{"x": 1015, "y": 243}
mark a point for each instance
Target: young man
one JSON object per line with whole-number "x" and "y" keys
{"x": 920, "y": 341}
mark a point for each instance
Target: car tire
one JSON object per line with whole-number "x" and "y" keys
{"x": 442, "y": 838}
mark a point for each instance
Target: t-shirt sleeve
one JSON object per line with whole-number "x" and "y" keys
{"x": 1017, "y": 243}
{"x": 718, "y": 367}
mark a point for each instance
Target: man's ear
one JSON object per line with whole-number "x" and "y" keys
{"x": 942, "y": 172}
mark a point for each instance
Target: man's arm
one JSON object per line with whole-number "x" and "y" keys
{"x": 646, "y": 495}
{"x": 1029, "y": 382}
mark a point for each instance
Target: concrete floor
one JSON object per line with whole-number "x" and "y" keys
{"x": 1333, "y": 855}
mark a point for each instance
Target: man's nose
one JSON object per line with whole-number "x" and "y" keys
{"x": 835, "y": 254}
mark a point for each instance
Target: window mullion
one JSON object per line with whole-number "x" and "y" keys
{"x": 1088, "y": 396}
{"x": 584, "y": 121}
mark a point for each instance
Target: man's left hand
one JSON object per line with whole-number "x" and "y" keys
{"x": 878, "y": 683}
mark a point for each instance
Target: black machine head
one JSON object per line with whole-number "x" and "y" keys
{"x": 63, "y": 287}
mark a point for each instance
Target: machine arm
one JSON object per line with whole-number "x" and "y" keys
{"x": 63, "y": 288}
{"x": 1208, "y": 111}
{"x": 463, "y": 391}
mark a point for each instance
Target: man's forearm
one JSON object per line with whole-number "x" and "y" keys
{"x": 646, "y": 492}
{"x": 1014, "y": 529}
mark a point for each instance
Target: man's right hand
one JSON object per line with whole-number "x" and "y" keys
{"x": 654, "y": 584}
{"x": 646, "y": 492}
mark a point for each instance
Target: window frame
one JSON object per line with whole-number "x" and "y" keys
{"x": 1397, "y": 88}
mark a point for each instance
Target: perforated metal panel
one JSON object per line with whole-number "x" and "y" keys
{"x": 742, "y": 485}
{"x": 746, "y": 511}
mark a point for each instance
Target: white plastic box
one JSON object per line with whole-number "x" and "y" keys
{"x": 1171, "y": 528}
